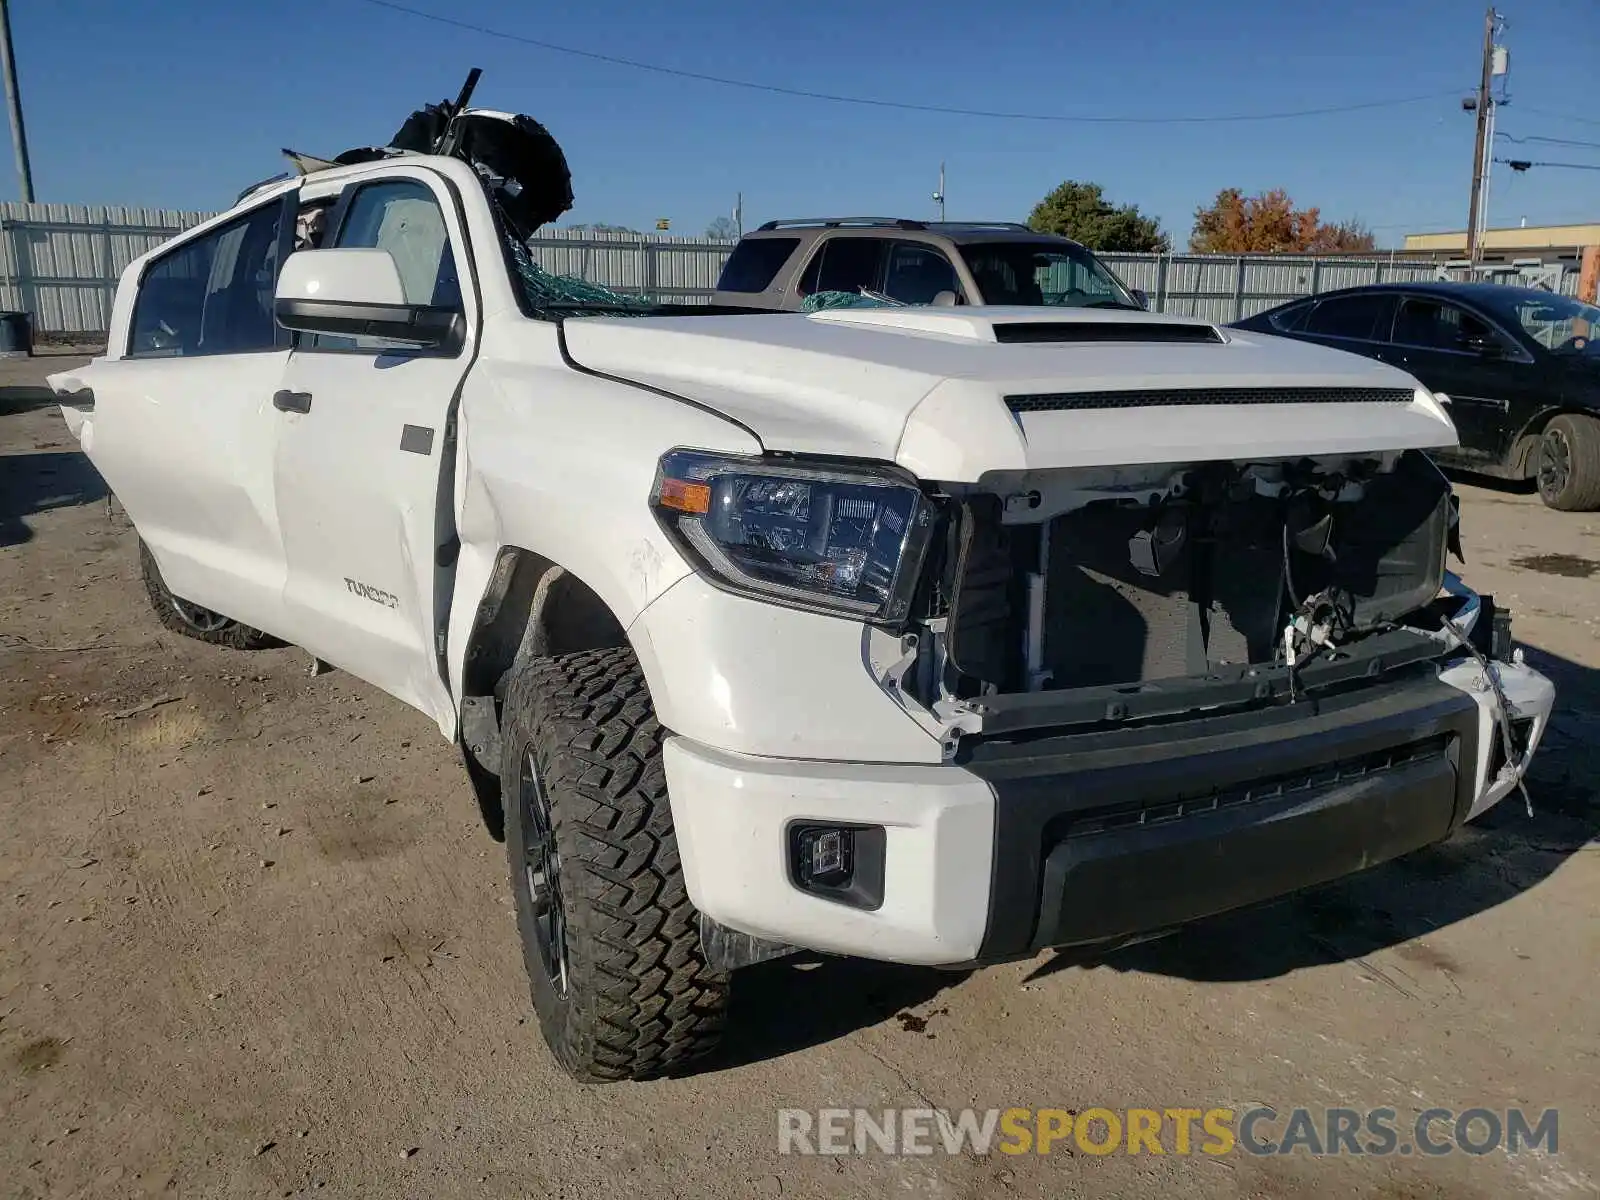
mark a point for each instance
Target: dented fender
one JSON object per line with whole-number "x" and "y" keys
{"x": 559, "y": 463}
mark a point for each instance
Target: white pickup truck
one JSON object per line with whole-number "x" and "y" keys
{"x": 936, "y": 636}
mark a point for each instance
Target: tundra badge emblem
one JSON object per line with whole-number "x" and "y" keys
{"x": 376, "y": 595}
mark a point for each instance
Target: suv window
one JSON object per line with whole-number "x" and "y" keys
{"x": 917, "y": 273}
{"x": 844, "y": 264}
{"x": 1364, "y": 317}
{"x": 1435, "y": 325}
{"x": 213, "y": 295}
{"x": 754, "y": 264}
{"x": 403, "y": 217}
{"x": 1038, "y": 272}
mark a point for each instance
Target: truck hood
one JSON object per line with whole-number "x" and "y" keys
{"x": 951, "y": 394}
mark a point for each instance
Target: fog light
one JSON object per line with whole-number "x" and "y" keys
{"x": 840, "y": 862}
{"x": 827, "y": 853}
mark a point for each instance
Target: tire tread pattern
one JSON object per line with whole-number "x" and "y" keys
{"x": 642, "y": 1001}
{"x": 1582, "y": 493}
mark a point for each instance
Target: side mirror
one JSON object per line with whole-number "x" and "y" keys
{"x": 944, "y": 299}
{"x": 1140, "y": 297}
{"x": 358, "y": 293}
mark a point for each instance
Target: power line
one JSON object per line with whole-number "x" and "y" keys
{"x": 1565, "y": 116}
{"x": 1522, "y": 164}
{"x": 872, "y": 102}
{"x": 1551, "y": 141}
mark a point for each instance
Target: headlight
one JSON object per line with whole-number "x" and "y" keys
{"x": 833, "y": 537}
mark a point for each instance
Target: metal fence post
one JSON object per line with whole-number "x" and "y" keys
{"x": 1162, "y": 262}
{"x": 1316, "y": 276}
{"x": 1238, "y": 289}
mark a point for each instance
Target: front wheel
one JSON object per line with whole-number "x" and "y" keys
{"x": 1567, "y": 463}
{"x": 610, "y": 940}
{"x": 193, "y": 620}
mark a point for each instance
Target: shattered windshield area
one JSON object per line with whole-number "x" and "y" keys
{"x": 1032, "y": 274}
{"x": 550, "y": 297}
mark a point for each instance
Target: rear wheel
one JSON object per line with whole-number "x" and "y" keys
{"x": 194, "y": 620}
{"x": 1567, "y": 463}
{"x": 610, "y": 940}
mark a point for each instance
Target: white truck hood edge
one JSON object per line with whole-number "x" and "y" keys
{"x": 926, "y": 388}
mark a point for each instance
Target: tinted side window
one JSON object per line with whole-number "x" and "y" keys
{"x": 918, "y": 273}
{"x": 1438, "y": 326}
{"x": 850, "y": 264}
{"x": 212, "y": 295}
{"x": 754, "y": 264}
{"x": 1290, "y": 319}
{"x": 1365, "y": 317}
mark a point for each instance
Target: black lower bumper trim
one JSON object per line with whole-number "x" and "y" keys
{"x": 1106, "y": 836}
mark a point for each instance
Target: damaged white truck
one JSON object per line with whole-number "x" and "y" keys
{"x": 929, "y": 635}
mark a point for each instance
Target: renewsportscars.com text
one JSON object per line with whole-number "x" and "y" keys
{"x": 1177, "y": 1131}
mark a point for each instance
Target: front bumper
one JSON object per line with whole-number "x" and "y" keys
{"x": 1024, "y": 844}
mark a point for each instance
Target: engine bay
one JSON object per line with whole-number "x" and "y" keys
{"x": 1121, "y": 580}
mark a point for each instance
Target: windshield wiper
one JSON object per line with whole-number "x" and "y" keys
{"x": 1112, "y": 304}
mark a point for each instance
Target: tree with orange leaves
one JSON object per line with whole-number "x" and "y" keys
{"x": 1270, "y": 224}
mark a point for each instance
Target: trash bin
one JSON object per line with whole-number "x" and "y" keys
{"x": 16, "y": 335}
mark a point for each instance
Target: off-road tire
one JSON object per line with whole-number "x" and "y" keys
{"x": 582, "y": 776}
{"x": 1574, "y": 441}
{"x": 180, "y": 616}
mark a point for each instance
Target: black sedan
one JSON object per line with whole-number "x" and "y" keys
{"x": 1519, "y": 366}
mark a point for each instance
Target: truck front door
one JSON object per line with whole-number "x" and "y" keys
{"x": 363, "y": 472}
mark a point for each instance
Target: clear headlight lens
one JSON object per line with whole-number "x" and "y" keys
{"x": 835, "y": 537}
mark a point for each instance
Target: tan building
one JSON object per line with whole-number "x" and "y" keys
{"x": 1551, "y": 243}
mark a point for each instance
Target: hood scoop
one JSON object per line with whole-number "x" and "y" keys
{"x": 1107, "y": 331}
{"x": 1184, "y": 397}
{"x": 1020, "y": 325}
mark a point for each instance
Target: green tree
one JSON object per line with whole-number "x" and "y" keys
{"x": 1081, "y": 212}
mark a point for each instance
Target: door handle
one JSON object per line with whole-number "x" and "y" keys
{"x": 287, "y": 401}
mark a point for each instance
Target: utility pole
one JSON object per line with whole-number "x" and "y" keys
{"x": 19, "y": 136}
{"x": 1482, "y": 106}
{"x": 938, "y": 197}
{"x": 738, "y": 214}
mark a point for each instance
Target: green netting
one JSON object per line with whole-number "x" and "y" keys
{"x": 561, "y": 295}
{"x": 818, "y": 301}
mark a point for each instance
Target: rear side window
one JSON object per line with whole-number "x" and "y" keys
{"x": 755, "y": 263}
{"x": 845, "y": 264}
{"x": 1367, "y": 318}
{"x": 1290, "y": 320}
{"x": 212, "y": 295}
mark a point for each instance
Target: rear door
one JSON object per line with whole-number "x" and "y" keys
{"x": 1440, "y": 343}
{"x": 183, "y": 422}
{"x": 363, "y": 469}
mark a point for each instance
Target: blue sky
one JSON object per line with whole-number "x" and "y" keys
{"x": 182, "y": 103}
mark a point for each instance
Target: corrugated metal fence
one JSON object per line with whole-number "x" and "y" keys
{"x": 60, "y": 262}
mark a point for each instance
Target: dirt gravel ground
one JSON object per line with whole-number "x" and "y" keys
{"x": 256, "y": 943}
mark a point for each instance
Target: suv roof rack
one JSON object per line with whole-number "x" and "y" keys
{"x": 1016, "y": 225}
{"x": 836, "y": 222}
{"x": 256, "y": 187}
